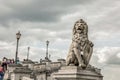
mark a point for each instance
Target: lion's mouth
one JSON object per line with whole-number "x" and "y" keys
{"x": 79, "y": 28}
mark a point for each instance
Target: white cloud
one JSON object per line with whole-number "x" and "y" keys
{"x": 108, "y": 55}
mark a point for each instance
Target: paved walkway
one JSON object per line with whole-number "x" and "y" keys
{"x": 5, "y": 76}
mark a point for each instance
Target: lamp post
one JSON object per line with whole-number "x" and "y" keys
{"x": 18, "y": 35}
{"x": 28, "y": 53}
{"x": 47, "y": 43}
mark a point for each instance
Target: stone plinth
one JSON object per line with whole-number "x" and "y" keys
{"x": 76, "y": 73}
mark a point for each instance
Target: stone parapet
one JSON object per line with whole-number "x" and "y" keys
{"x": 76, "y": 73}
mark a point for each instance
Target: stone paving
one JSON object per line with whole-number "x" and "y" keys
{"x": 5, "y": 76}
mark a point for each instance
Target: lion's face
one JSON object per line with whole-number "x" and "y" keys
{"x": 79, "y": 27}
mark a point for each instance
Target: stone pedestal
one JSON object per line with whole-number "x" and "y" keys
{"x": 76, "y": 73}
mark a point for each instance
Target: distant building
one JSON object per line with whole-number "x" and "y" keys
{"x": 29, "y": 70}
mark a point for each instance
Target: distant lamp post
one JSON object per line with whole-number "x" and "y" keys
{"x": 28, "y": 53}
{"x": 47, "y": 43}
{"x": 49, "y": 56}
{"x": 18, "y": 35}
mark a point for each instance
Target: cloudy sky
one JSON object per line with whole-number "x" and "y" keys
{"x": 53, "y": 20}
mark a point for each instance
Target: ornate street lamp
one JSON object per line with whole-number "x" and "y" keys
{"x": 47, "y": 43}
{"x": 18, "y": 35}
{"x": 28, "y": 53}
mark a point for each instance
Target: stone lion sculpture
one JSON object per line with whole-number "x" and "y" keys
{"x": 81, "y": 48}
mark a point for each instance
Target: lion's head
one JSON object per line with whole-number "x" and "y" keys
{"x": 79, "y": 26}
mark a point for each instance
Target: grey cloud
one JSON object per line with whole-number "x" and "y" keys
{"x": 113, "y": 60}
{"x": 108, "y": 55}
{"x": 111, "y": 72}
{"x": 39, "y": 10}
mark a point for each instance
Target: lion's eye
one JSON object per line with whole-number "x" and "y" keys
{"x": 78, "y": 24}
{"x": 81, "y": 24}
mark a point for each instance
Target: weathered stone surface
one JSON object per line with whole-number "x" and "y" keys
{"x": 22, "y": 70}
{"x": 14, "y": 65}
{"x": 28, "y": 62}
{"x": 76, "y": 73}
{"x": 81, "y": 48}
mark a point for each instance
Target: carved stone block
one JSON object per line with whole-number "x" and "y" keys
{"x": 76, "y": 73}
